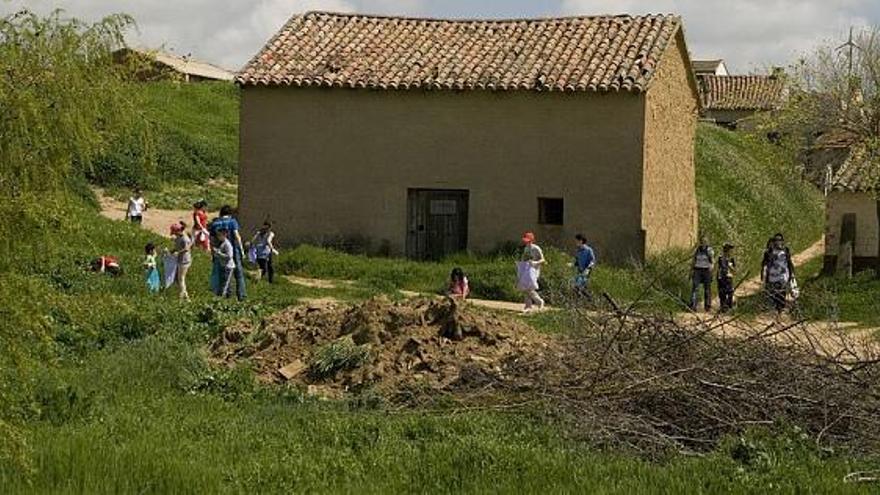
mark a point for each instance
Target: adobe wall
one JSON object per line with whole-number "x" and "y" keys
{"x": 330, "y": 163}
{"x": 864, "y": 206}
{"x": 669, "y": 203}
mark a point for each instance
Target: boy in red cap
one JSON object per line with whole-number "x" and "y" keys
{"x": 534, "y": 256}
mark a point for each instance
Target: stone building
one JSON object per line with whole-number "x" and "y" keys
{"x": 426, "y": 137}
{"x": 852, "y": 226}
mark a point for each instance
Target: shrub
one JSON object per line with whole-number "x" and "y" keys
{"x": 339, "y": 355}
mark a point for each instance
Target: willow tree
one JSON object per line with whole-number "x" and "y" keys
{"x": 62, "y": 96}
{"x": 62, "y": 102}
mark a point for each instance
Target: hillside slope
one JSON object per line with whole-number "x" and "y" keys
{"x": 194, "y": 137}
{"x": 748, "y": 189}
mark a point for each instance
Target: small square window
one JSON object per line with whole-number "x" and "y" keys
{"x": 550, "y": 211}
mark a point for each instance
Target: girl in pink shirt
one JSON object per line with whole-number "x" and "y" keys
{"x": 458, "y": 284}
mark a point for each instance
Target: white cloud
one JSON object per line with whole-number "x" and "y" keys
{"x": 750, "y": 34}
{"x": 227, "y": 32}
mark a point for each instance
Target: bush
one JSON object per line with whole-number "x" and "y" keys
{"x": 340, "y": 355}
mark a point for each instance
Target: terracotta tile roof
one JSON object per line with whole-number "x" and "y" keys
{"x": 860, "y": 171}
{"x": 604, "y": 53}
{"x": 741, "y": 92}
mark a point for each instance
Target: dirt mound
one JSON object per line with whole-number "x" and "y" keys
{"x": 392, "y": 346}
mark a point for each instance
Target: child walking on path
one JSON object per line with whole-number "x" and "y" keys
{"x": 137, "y": 205}
{"x": 183, "y": 251}
{"x": 265, "y": 250}
{"x": 584, "y": 261}
{"x": 532, "y": 259}
{"x": 726, "y": 272}
{"x": 226, "y": 258}
{"x": 151, "y": 268}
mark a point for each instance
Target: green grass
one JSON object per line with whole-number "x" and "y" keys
{"x": 839, "y": 299}
{"x": 748, "y": 190}
{"x": 123, "y": 400}
{"x": 194, "y": 139}
{"x": 150, "y": 416}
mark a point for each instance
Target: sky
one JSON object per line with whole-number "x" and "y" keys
{"x": 751, "y": 35}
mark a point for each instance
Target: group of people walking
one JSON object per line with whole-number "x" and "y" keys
{"x": 221, "y": 237}
{"x": 777, "y": 274}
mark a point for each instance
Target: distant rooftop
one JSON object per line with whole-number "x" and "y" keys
{"x": 185, "y": 64}
{"x": 710, "y": 67}
{"x": 742, "y": 92}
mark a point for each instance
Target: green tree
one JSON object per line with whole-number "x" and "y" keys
{"x": 63, "y": 101}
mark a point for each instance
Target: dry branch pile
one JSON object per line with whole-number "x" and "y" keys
{"x": 654, "y": 384}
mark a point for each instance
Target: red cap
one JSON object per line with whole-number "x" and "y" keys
{"x": 528, "y": 237}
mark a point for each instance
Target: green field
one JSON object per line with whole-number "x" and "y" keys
{"x": 120, "y": 398}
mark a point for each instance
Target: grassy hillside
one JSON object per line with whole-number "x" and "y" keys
{"x": 747, "y": 191}
{"x": 195, "y": 138}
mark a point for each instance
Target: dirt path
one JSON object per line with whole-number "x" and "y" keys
{"x": 155, "y": 220}
{"x": 754, "y": 286}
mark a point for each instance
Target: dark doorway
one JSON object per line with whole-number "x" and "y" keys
{"x": 437, "y": 223}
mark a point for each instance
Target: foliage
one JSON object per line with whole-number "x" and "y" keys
{"x": 339, "y": 355}
{"x": 829, "y": 91}
{"x": 63, "y": 99}
{"x": 194, "y": 129}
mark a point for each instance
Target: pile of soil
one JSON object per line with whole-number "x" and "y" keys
{"x": 425, "y": 344}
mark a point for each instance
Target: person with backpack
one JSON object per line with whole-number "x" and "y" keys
{"x": 701, "y": 274}
{"x": 777, "y": 272}
{"x": 726, "y": 272}
{"x": 264, "y": 251}
{"x": 584, "y": 261}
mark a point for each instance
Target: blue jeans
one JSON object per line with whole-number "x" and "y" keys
{"x": 238, "y": 273}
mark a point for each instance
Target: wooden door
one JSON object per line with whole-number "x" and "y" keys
{"x": 437, "y": 223}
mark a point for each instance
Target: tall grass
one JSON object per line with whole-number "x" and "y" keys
{"x": 748, "y": 190}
